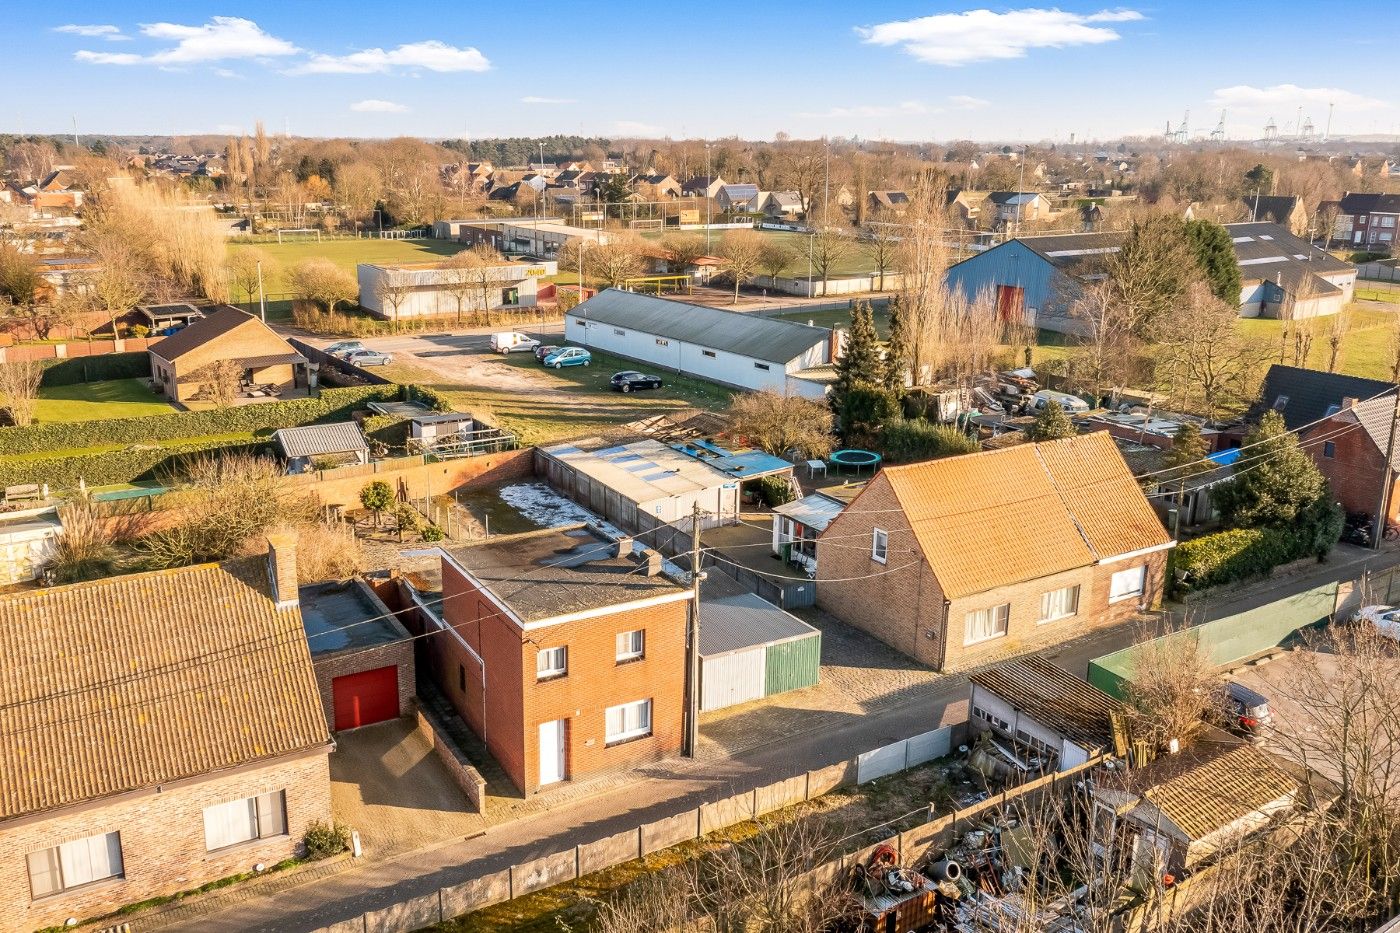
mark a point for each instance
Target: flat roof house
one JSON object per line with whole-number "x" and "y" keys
{"x": 563, "y": 651}
{"x": 183, "y": 364}
{"x": 1039, "y": 277}
{"x": 729, "y": 347}
{"x": 432, "y": 289}
{"x": 157, "y": 731}
{"x": 967, "y": 557}
{"x": 362, "y": 655}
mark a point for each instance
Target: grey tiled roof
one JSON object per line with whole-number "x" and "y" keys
{"x": 1303, "y": 396}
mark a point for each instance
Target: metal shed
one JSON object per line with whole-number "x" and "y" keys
{"x": 751, "y": 649}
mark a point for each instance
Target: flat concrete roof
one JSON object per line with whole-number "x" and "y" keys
{"x": 640, "y": 471}
{"x": 337, "y": 616}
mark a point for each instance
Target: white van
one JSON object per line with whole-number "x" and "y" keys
{"x": 512, "y": 340}
{"x": 1072, "y": 404}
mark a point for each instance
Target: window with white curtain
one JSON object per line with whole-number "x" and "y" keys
{"x": 551, "y": 662}
{"x": 986, "y": 624}
{"x": 631, "y": 645}
{"x": 227, "y": 824}
{"x": 75, "y": 863}
{"x": 628, "y": 721}
{"x": 1059, "y": 604}
{"x": 1126, "y": 584}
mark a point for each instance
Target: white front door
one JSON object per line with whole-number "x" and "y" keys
{"x": 551, "y": 752}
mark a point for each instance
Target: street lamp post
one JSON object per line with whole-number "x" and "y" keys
{"x": 707, "y": 198}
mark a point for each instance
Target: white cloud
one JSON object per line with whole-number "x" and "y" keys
{"x": 531, "y": 99}
{"x": 966, "y": 102}
{"x": 636, "y": 128}
{"x": 432, "y": 55}
{"x": 220, "y": 39}
{"x": 954, "y": 39}
{"x": 110, "y": 33}
{"x": 1286, "y": 96}
{"x": 226, "y": 73}
{"x": 378, "y": 106}
{"x": 911, "y": 108}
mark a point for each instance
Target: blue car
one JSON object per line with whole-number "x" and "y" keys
{"x": 568, "y": 356}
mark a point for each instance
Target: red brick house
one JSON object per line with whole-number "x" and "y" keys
{"x": 960, "y": 560}
{"x": 564, "y": 652}
{"x": 1349, "y": 448}
{"x": 157, "y": 731}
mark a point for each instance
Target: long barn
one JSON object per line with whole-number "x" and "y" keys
{"x": 742, "y": 350}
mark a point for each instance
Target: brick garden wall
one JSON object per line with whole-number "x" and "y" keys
{"x": 162, "y": 841}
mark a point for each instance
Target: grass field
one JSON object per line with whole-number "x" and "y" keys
{"x": 348, "y": 253}
{"x": 99, "y": 401}
{"x": 573, "y": 401}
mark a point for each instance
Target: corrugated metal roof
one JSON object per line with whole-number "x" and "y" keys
{"x": 143, "y": 679}
{"x": 744, "y": 620}
{"x": 641, "y": 471}
{"x": 815, "y": 510}
{"x": 315, "y": 439}
{"x": 750, "y": 335}
{"x": 1053, "y": 697}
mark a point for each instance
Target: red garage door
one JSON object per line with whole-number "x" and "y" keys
{"x": 366, "y": 697}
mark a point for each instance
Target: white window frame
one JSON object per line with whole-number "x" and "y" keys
{"x": 75, "y": 864}
{"x": 631, "y": 646}
{"x": 1049, "y": 598}
{"x": 247, "y": 819}
{"x": 627, "y": 721}
{"x": 1117, "y": 595}
{"x": 552, "y": 662}
{"x": 991, "y": 719}
{"x": 986, "y": 618}
{"x": 880, "y": 546}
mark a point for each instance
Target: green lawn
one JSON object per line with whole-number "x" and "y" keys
{"x": 589, "y": 405}
{"x": 348, "y": 253}
{"x": 99, "y": 401}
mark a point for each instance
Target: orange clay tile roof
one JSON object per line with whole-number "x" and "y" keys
{"x": 139, "y": 680}
{"x": 1005, "y": 516}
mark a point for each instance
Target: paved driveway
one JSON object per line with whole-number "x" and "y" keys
{"x": 387, "y": 783}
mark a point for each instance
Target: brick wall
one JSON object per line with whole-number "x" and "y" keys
{"x": 162, "y": 840}
{"x": 905, "y": 608}
{"x": 342, "y": 487}
{"x": 354, "y": 660}
{"x": 507, "y": 709}
{"x": 1355, "y": 469}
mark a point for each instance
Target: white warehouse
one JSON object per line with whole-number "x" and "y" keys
{"x": 431, "y": 289}
{"x": 741, "y": 350}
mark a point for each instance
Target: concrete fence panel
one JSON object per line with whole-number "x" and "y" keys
{"x": 862, "y": 856}
{"x": 780, "y": 794}
{"x": 475, "y": 894}
{"x": 670, "y": 831}
{"x": 543, "y": 873}
{"x": 345, "y": 926}
{"x": 825, "y": 780}
{"x": 880, "y": 762}
{"x": 726, "y": 812}
{"x": 405, "y": 916}
{"x": 613, "y": 850}
{"x": 928, "y": 746}
{"x": 914, "y": 844}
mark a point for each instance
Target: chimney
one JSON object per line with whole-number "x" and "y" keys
{"x": 624, "y": 546}
{"x": 282, "y": 568}
{"x": 1348, "y": 402}
{"x": 653, "y": 559}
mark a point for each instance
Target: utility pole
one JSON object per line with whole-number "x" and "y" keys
{"x": 708, "y": 180}
{"x": 692, "y": 640}
{"x": 1387, "y": 475}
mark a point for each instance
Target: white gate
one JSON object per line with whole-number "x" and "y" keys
{"x": 731, "y": 679}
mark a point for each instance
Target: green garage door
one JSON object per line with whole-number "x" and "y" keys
{"x": 793, "y": 664}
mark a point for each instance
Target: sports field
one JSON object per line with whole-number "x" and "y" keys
{"x": 348, "y": 253}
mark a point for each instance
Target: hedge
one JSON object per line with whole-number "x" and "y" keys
{"x": 100, "y": 368}
{"x": 1237, "y": 554}
{"x": 914, "y": 439}
{"x": 113, "y": 466}
{"x": 331, "y": 405}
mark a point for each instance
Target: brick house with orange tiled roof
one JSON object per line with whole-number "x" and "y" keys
{"x": 157, "y": 731}
{"x": 957, "y": 561}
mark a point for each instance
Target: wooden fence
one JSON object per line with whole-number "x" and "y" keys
{"x": 424, "y": 910}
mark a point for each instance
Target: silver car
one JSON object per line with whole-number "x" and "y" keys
{"x": 368, "y": 358}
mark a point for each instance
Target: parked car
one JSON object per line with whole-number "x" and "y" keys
{"x": 544, "y": 350}
{"x": 343, "y": 347}
{"x": 1250, "y": 709}
{"x": 630, "y": 381}
{"x": 1072, "y": 404}
{"x": 569, "y": 356}
{"x": 1386, "y": 619}
{"x": 368, "y": 358}
{"x": 512, "y": 340}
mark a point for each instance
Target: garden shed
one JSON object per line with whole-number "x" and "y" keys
{"x": 751, "y": 649}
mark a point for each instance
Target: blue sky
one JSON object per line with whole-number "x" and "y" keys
{"x": 898, "y": 70}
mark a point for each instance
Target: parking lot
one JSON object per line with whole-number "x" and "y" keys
{"x": 517, "y": 393}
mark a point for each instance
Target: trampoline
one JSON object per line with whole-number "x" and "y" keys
{"x": 859, "y": 459}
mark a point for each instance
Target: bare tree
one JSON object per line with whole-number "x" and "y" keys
{"x": 484, "y": 272}
{"x": 323, "y": 282}
{"x": 1336, "y": 337}
{"x": 775, "y": 259}
{"x": 224, "y": 382}
{"x": 1209, "y": 366}
{"x": 922, "y": 262}
{"x": 1102, "y": 356}
{"x": 682, "y": 250}
{"x": 616, "y": 261}
{"x": 742, "y": 252}
{"x": 19, "y": 387}
{"x": 392, "y": 289}
{"x": 883, "y": 242}
{"x": 829, "y": 247}
{"x": 245, "y": 272}
{"x": 778, "y": 424}
{"x": 1174, "y": 689}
